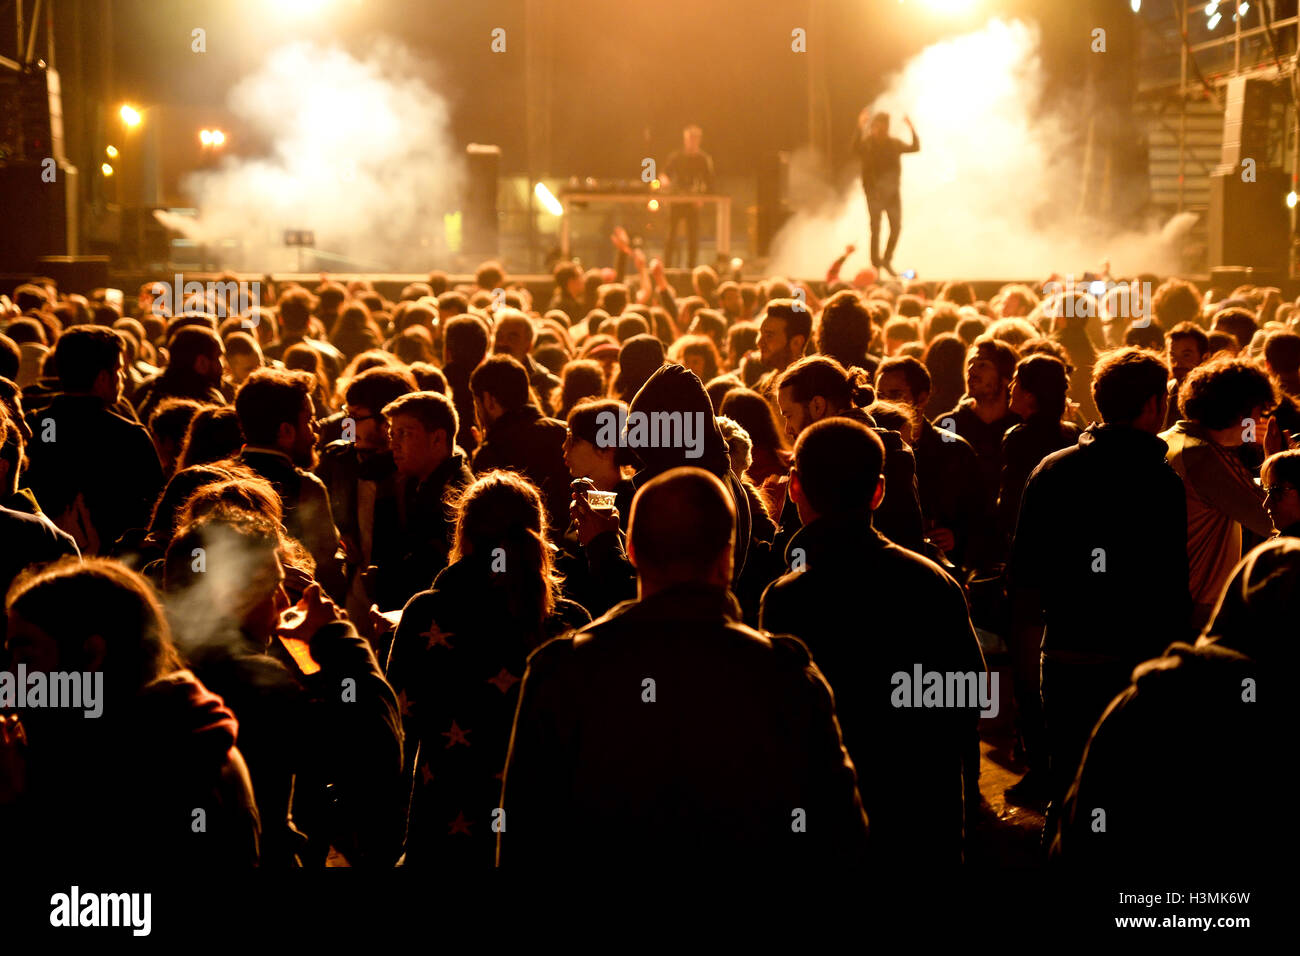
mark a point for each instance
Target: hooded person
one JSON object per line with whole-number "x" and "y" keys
{"x": 118, "y": 775}
{"x": 670, "y": 424}
{"x": 638, "y": 358}
{"x": 1180, "y": 756}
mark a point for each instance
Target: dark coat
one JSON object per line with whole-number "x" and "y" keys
{"x": 124, "y": 786}
{"x": 170, "y": 383}
{"x": 100, "y": 457}
{"x": 408, "y": 554}
{"x": 526, "y": 441}
{"x": 341, "y": 469}
{"x": 1178, "y": 764}
{"x": 1023, "y": 447}
{"x": 338, "y": 746}
{"x": 985, "y": 438}
{"x": 591, "y": 575}
{"x": 307, "y": 513}
{"x": 1110, "y": 498}
{"x": 28, "y": 540}
{"x": 953, "y": 495}
{"x": 674, "y": 388}
{"x": 868, "y": 609}
{"x": 570, "y": 306}
{"x": 712, "y": 763}
{"x": 899, "y": 516}
{"x": 457, "y": 659}
{"x": 543, "y": 383}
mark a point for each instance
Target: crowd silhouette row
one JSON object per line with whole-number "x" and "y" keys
{"x": 368, "y": 581}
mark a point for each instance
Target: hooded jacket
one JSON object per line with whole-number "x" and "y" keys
{"x": 675, "y": 388}
{"x": 1180, "y": 758}
{"x": 124, "y": 788}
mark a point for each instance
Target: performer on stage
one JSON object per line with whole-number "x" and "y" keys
{"x": 881, "y": 175}
{"x": 689, "y": 170}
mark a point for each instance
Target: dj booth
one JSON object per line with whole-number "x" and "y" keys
{"x": 569, "y": 198}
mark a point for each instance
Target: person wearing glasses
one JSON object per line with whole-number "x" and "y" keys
{"x": 1280, "y": 476}
{"x": 358, "y": 471}
{"x": 413, "y": 528}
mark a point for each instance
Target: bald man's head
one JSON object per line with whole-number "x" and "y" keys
{"x": 682, "y": 529}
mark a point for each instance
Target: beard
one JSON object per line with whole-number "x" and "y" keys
{"x": 306, "y": 459}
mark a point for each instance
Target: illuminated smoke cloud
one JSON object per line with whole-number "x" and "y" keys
{"x": 976, "y": 197}
{"x": 360, "y": 151}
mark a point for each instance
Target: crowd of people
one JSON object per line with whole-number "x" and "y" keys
{"x": 369, "y": 581}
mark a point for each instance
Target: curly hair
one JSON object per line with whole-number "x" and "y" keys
{"x": 1176, "y": 301}
{"x": 1223, "y": 392}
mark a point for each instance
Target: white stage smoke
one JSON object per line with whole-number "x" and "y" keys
{"x": 991, "y": 194}
{"x": 361, "y": 153}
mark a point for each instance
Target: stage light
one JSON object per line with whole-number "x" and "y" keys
{"x": 1135, "y": 5}
{"x": 548, "y": 200}
{"x": 949, "y": 6}
{"x": 655, "y": 184}
{"x": 653, "y": 205}
{"x": 1213, "y": 22}
{"x": 111, "y": 152}
{"x": 299, "y": 7}
{"x": 106, "y": 169}
{"x": 218, "y": 138}
{"x": 205, "y": 137}
{"x": 130, "y": 115}
{"x": 1291, "y": 199}
{"x": 1243, "y": 9}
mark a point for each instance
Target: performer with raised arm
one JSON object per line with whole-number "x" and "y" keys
{"x": 689, "y": 170}
{"x": 881, "y": 179}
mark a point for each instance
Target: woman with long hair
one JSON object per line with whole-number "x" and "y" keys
{"x": 355, "y": 330}
{"x": 457, "y": 659}
{"x": 771, "y": 455}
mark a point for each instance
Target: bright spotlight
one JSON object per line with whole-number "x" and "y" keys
{"x": 1211, "y": 7}
{"x": 1291, "y": 199}
{"x": 130, "y": 115}
{"x": 548, "y": 200}
{"x": 298, "y": 7}
{"x": 1135, "y": 5}
{"x": 218, "y": 138}
{"x": 1243, "y": 8}
{"x": 653, "y": 205}
{"x": 205, "y": 137}
{"x": 111, "y": 152}
{"x": 949, "y": 6}
{"x": 1213, "y": 22}
{"x": 107, "y": 170}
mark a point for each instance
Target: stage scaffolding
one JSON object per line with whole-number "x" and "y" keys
{"x": 1186, "y": 58}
